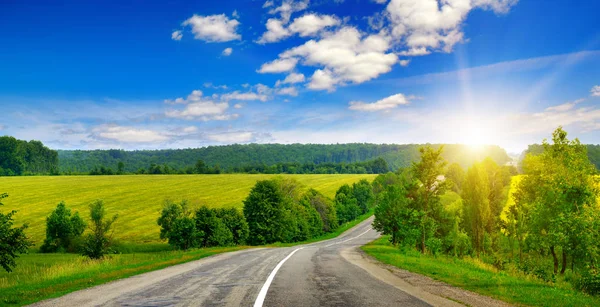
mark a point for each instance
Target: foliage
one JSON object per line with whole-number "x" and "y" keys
{"x": 235, "y": 222}
{"x": 346, "y": 204}
{"x": 271, "y": 158}
{"x": 98, "y": 242}
{"x": 19, "y": 157}
{"x": 265, "y": 213}
{"x": 456, "y": 175}
{"x": 477, "y": 213}
{"x": 13, "y": 240}
{"x": 396, "y": 216}
{"x": 62, "y": 230}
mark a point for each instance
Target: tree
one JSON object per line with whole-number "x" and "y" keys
{"x": 346, "y": 205}
{"x": 394, "y": 216}
{"x": 456, "y": 175}
{"x": 13, "y": 239}
{"x": 12, "y": 162}
{"x": 236, "y": 223}
{"x": 324, "y": 207}
{"x": 363, "y": 193}
{"x": 178, "y": 227}
{"x": 200, "y": 167}
{"x": 120, "y": 167}
{"x": 170, "y": 213}
{"x": 429, "y": 189}
{"x": 560, "y": 192}
{"x": 477, "y": 213}
{"x": 62, "y": 229}
{"x": 98, "y": 242}
{"x": 214, "y": 231}
{"x": 265, "y": 213}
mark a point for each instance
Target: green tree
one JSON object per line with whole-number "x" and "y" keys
{"x": 324, "y": 207}
{"x": 200, "y": 167}
{"x": 429, "y": 188}
{"x": 13, "y": 239}
{"x": 264, "y": 210}
{"x": 214, "y": 231}
{"x": 477, "y": 213}
{"x": 62, "y": 229}
{"x": 363, "y": 193}
{"x": 184, "y": 234}
{"x": 456, "y": 175}
{"x": 560, "y": 191}
{"x": 98, "y": 242}
{"x": 120, "y": 167}
{"x": 236, "y": 223}
{"x": 396, "y": 217}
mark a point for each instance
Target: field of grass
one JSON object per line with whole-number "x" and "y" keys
{"x": 476, "y": 276}
{"x": 137, "y": 199}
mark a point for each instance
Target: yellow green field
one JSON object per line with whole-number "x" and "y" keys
{"x": 138, "y": 199}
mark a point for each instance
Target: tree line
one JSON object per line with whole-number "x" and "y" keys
{"x": 553, "y": 223}
{"x": 19, "y": 157}
{"x": 266, "y": 157}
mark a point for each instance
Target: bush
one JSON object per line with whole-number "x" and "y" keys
{"x": 14, "y": 240}
{"x": 98, "y": 243}
{"x": 589, "y": 282}
{"x": 184, "y": 234}
{"x": 62, "y": 230}
{"x": 213, "y": 231}
{"x": 236, "y": 223}
{"x": 434, "y": 245}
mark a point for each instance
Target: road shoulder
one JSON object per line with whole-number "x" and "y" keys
{"x": 434, "y": 292}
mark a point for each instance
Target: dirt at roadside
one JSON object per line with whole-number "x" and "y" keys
{"x": 435, "y": 292}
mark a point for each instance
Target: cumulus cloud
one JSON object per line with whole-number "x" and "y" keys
{"x": 595, "y": 91}
{"x": 127, "y": 134}
{"x": 232, "y": 137}
{"x": 199, "y": 107}
{"x": 176, "y": 35}
{"x": 213, "y": 28}
{"x": 278, "y": 66}
{"x": 433, "y": 24}
{"x": 276, "y": 31}
{"x": 227, "y": 52}
{"x": 311, "y": 24}
{"x": 292, "y": 78}
{"x": 195, "y": 95}
{"x": 345, "y": 55}
{"x": 387, "y": 103}
{"x": 404, "y": 63}
{"x": 290, "y": 91}
{"x": 237, "y": 95}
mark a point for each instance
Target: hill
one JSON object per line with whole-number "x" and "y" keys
{"x": 230, "y": 157}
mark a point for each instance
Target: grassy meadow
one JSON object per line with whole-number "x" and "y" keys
{"x": 137, "y": 199}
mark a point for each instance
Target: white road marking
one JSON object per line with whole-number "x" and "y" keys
{"x": 263, "y": 291}
{"x": 348, "y": 239}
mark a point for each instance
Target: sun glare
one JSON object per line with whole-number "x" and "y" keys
{"x": 477, "y": 132}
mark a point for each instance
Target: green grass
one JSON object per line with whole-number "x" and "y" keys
{"x": 137, "y": 199}
{"x": 474, "y": 275}
{"x": 42, "y": 276}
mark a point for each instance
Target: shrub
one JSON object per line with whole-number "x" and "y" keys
{"x": 14, "y": 240}
{"x": 98, "y": 243}
{"x": 213, "y": 231}
{"x": 434, "y": 245}
{"x": 236, "y": 223}
{"x": 589, "y": 282}
{"x": 62, "y": 230}
{"x": 184, "y": 234}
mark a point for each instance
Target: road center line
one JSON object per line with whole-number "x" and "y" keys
{"x": 348, "y": 239}
{"x": 263, "y": 291}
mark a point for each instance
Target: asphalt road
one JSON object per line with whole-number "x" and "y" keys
{"x": 316, "y": 274}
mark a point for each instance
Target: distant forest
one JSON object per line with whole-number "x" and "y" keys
{"x": 267, "y": 158}
{"x": 593, "y": 152}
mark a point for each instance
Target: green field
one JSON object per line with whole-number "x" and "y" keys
{"x": 137, "y": 199}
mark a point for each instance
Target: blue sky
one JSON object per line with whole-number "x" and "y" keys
{"x": 177, "y": 74}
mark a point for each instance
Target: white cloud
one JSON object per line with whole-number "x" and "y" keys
{"x": 404, "y": 63}
{"x": 210, "y": 85}
{"x": 595, "y": 91}
{"x": 387, "y": 103}
{"x": 415, "y": 52}
{"x": 235, "y": 14}
{"x": 238, "y": 106}
{"x": 288, "y": 7}
{"x": 290, "y": 91}
{"x": 237, "y": 95}
{"x": 565, "y": 106}
{"x": 278, "y": 66}
{"x": 311, "y": 24}
{"x": 433, "y": 24}
{"x": 127, "y": 134}
{"x": 176, "y": 35}
{"x": 195, "y": 95}
{"x": 268, "y": 3}
{"x": 275, "y": 32}
{"x": 213, "y": 28}
{"x": 232, "y": 137}
{"x": 292, "y": 78}
{"x": 227, "y": 52}
{"x": 199, "y": 107}
{"x": 380, "y": 1}
{"x": 346, "y": 55}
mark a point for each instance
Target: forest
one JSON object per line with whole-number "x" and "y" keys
{"x": 19, "y": 157}
{"x": 261, "y": 157}
{"x": 593, "y": 153}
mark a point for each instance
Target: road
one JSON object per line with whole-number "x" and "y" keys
{"x": 327, "y": 273}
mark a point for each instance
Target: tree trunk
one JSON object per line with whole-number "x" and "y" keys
{"x": 564, "y": 262}
{"x": 555, "y": 259}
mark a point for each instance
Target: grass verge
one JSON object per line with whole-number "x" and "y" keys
{"x": 476, "y": 276}
{"x": 43, "y": 276}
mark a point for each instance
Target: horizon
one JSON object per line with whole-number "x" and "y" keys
{"x": 191, "y": 75}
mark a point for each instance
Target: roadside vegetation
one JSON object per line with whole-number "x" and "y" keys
{"x": 546, "y": 230}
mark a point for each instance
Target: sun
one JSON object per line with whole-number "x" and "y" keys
{"x": 476, "y": 132}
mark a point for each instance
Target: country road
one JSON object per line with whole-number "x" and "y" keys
{"x": 327, "y": 273}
